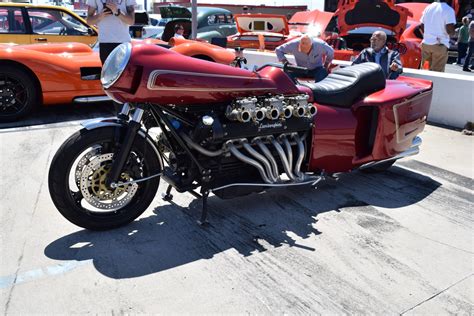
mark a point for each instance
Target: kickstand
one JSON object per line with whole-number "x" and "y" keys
{"x": 167, "y": 196}
{"x": 203, "y": 220}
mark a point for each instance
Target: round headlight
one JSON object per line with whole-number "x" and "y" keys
{"x": 115, "y": 64}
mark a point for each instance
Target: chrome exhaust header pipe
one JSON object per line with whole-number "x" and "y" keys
{"x": 289, "y": 151}
{"x": 249, "y": 161}
{"x": 269, "y": 156}
{"x": 262, "y": 159}
{"x": 300, "y": 158}
{"x": 283, "y": 158}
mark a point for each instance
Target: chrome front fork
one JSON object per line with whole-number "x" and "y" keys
{"x": 133, "y": 126}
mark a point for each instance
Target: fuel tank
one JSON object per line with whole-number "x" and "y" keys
{"x": 157, "y": 75}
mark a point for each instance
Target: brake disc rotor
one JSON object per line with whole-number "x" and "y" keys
{"x": 91, "y": 174}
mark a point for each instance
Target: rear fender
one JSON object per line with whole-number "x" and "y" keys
{"x": 107, "y": 122}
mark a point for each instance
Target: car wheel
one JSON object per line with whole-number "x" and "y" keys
{"x": 18, "y": 93}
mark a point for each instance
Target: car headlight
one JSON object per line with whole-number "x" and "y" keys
{"x": 115, "y": 64}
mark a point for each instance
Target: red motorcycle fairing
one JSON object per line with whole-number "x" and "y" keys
{"x": 157, "y": 75}
{"x": 378, "y": 127}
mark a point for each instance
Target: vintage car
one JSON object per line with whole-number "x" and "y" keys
{"x": 58, "y": 73}
{"x": 358, "y": 19}
{"x": 212, "y": 22}
{"x": 29, "y": 24}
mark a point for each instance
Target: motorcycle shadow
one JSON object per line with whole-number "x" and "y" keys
{"x": 170, "y": 237}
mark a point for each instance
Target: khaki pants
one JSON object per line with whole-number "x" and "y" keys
{"x": 435, "y": 55}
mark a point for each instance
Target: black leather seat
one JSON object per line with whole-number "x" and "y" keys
{"x": 344, "y": 87}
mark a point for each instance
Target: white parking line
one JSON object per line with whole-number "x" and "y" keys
{"x": 40, "y": 273}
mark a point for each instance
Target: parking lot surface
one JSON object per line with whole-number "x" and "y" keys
{"x": 400, "y": 242}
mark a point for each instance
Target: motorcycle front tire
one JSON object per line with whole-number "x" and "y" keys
{"x": 69, "y": 203}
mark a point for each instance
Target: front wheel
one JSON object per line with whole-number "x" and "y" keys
{"x": 78, "y": 173}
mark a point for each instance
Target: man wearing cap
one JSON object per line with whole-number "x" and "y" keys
{"x": 311, "y": 53}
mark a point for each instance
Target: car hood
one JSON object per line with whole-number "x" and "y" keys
{"x": 311, "y": 22}
{"x": 416, "y": 8}
{"x": 262, "y": 23}
{"x": 353, "y": 14}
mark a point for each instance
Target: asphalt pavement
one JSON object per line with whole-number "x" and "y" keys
{"x": 457, "y": 69}
{"x": 400, "y": 242}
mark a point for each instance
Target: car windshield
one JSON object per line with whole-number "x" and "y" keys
{"x": 56, "y": 22}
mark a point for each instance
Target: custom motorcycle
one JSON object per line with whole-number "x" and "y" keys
{"x": 228, "y": 131}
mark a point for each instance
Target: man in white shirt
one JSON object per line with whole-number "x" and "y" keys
{"x": 113, "y": 18}
{"x": 438, "y": 21}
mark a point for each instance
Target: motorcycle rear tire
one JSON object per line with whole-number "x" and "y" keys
{"x": 67, "y": 201}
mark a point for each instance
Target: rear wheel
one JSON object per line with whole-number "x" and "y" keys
{"x": 78, "y": 173}
{"x": 18, "y": 93}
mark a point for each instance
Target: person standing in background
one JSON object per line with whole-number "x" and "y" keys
{"x": 438, "y": 22}
{"x": 113, "y": 18}
{"x": 470, "y": 50}
{"x": 463, "y": 40}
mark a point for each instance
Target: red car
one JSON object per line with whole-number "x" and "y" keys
{"x": 228, "y": 131}
{"x": 348, "y": 30}
{"x": 358, "y": 19}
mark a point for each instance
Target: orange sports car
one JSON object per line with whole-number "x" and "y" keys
{"x": 58, "y": 73}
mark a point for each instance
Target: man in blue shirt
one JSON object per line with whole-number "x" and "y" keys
{"x": 314, "y": 54}
{"x": 379, "y": 53}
